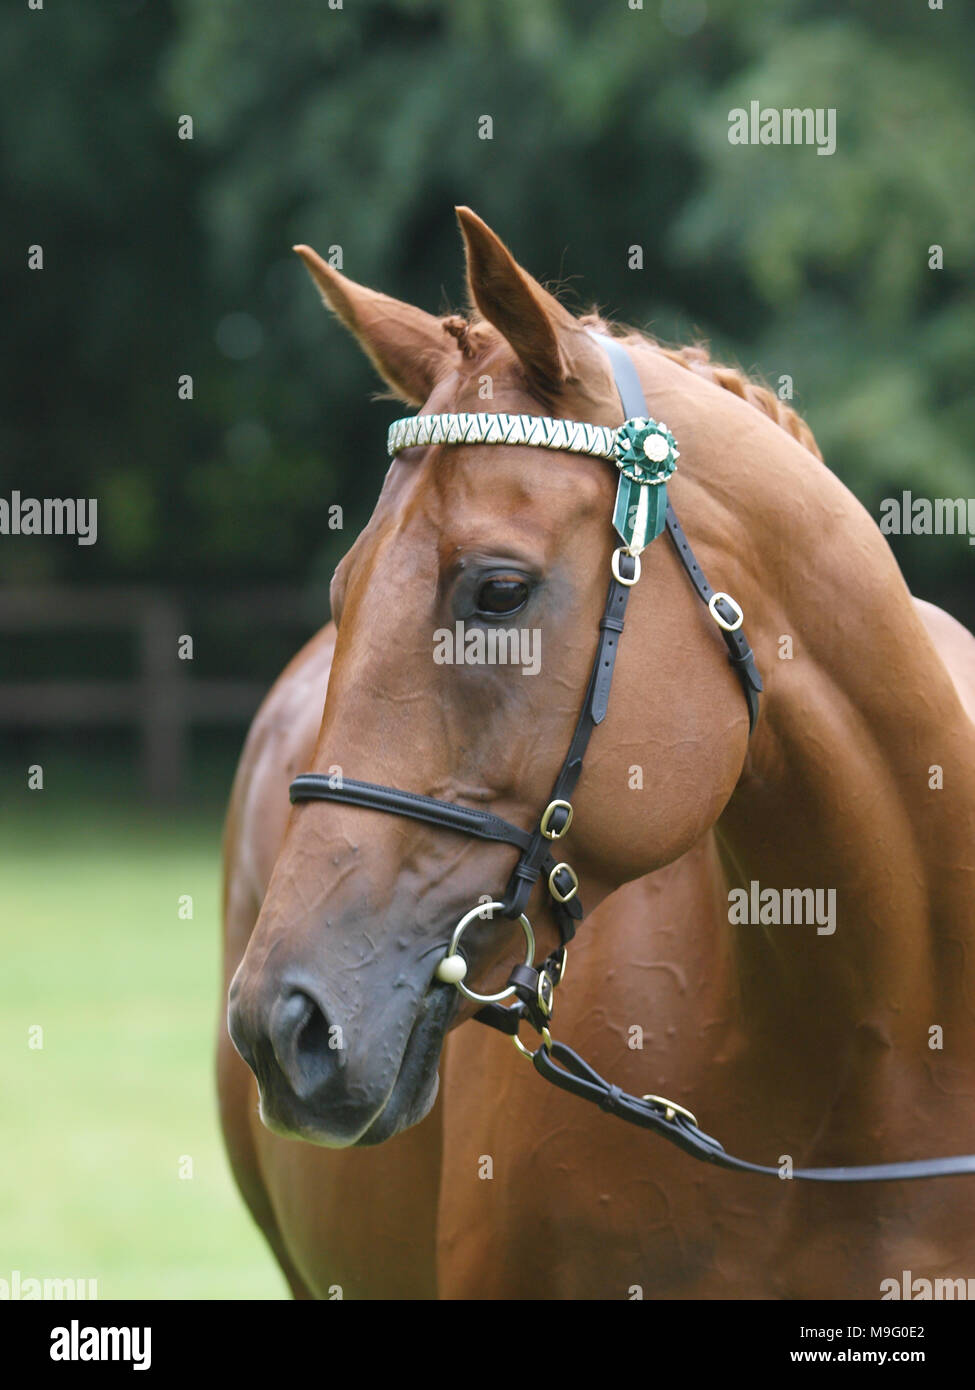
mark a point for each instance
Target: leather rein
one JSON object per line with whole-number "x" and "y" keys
{"x": 645, "y": 453}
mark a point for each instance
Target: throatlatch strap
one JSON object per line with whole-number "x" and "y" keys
{"x": 740, "y": 653}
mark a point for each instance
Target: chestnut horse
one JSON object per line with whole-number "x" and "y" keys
{"x": 849, "y": 1045}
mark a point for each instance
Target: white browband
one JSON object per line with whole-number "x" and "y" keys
{"x": 536, "y": 431}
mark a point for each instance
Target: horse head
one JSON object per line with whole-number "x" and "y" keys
{"x": 476, "y": 548}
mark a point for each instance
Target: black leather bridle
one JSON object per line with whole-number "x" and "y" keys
{"x": 534, "y": 987}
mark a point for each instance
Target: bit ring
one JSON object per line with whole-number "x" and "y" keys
{"x": 459, "y": 930}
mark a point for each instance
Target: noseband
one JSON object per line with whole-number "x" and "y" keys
{"x": 645, "y": 453}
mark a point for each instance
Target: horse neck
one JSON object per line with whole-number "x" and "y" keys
{"x": 840, "y": 788}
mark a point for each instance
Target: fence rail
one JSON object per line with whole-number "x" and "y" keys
{"x": 164, "y": 698}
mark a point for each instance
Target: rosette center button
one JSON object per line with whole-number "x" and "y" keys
{"x": 656, "y": 448}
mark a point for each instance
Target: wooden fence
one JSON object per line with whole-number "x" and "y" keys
{"x": 163, "y": 698}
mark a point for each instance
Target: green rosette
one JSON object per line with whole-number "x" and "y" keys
{"x": 646, "y": 455}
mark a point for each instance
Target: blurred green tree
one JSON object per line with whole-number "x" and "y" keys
{"x": 359, "y": 127}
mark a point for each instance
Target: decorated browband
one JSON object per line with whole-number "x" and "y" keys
{"x": 644, "y": 451}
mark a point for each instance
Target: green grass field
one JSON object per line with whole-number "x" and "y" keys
{"x": 97, "y": 1122}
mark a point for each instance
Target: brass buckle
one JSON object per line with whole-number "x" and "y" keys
{"x": 614, "y": 565}
{"x": 671, "y": 1108}
{"x": 527, "y": 1052}
{"x": 547, "y": 815}
{"x": 563, "y": 897}
{"x": 562, "y": 963}
{"x": 723, "y": 622}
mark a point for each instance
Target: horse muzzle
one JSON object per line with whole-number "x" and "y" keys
{"x": 328, "y": 1076}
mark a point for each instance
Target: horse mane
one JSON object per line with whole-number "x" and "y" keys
{"x": 473, "y": 336}
{"x": 696, "y": 357}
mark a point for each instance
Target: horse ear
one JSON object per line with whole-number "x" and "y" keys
{"x": 535, "y": 324}
{"x": 406, "y": 346}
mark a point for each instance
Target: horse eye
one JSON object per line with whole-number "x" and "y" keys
{"x": 502, "y": 596}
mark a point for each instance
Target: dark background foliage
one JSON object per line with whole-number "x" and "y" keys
{"x": 358, "y": 127}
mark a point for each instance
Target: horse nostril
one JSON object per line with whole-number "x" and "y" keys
{"x": 301, "y": 1038}
{"x": 313, "y": 1032}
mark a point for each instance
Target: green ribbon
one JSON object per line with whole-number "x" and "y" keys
{"x": 646, "y": 454}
